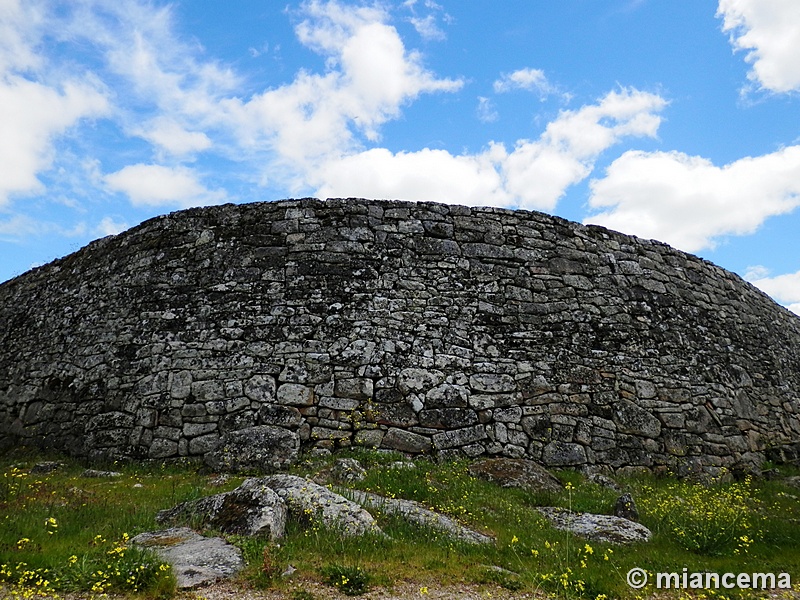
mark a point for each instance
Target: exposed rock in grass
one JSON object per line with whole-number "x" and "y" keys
{"x": 416, "y": 513}
{"x": 517, "y": 473}
{"x": 793, "y": 481}
{"x": 195, "y": 560}
{"x": 308, "y": 500}
{"x": 625, "y": 507}
{"x": 251, "y": 509}
{"x": 46, "y": 467}
{"x": 100, "y": 474}
{"x": 343, "y": 470}
{"x": 599, "y": 528}
{"x": 604, "y": 481}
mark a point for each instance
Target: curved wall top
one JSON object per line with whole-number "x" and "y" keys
{"x": 422, "y": 327}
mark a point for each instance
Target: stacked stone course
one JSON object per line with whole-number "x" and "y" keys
{"x": 420, "y": 327}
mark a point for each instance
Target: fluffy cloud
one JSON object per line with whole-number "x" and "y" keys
{"x": 534, "y": 175}
{"x": 32, "y": 115}
{"x": 422, "y": 175}
{"x": 687, "y": 201}
{"x": 175, "y": 139}
{"x": 156, "y": 185}
{"x": 532, "y": 80}
{"x": 427, "y": 26}
{"x": 34, "y": 112}
{"x": 769, "y": 30}
{"x": 109, "y": 226}
{"x": 783, "y": 288}
{"x": 370, "y": 77}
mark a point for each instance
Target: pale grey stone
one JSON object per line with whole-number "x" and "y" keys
{"x": 416, "y": 513}
{"x": 295, "y": 394}
{"x": 196, "y": 560}
{"x": 599, "y": 528}
{"x": 406, "y": 441}
{"x": 306, "y": 499}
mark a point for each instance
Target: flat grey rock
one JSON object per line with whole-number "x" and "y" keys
{"x": 196, "y": 560}
{"x": 416, "y": 513}
{"x": 100, "y": 474}
{"x": 599, "y": 528}
{"x": 46, "y": 467}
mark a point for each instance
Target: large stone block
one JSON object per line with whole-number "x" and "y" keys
{"x": 261, "y": 449}
{"x": 406, "y": 441}
{"x": 295, "y": 394}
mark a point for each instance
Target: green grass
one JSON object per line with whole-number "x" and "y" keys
{"x": 748, "y": 526}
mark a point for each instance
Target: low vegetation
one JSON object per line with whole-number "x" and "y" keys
{"x": 61, "y": 532}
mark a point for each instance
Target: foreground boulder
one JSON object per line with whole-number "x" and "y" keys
{"x": 516, "y": 473}
{"x": 195, "y": 560}
{"x": 307, "y": 500}
{"x": 251, "y": 509}
{"x": 599, "y": 528}
{"x": 261, "y": 449}
{"x": 416, "y": 513}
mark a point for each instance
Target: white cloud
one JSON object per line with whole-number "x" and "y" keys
{"x": 109, "y": 226}
{"x": 34, "y": 109}
{"x": 532, "y": 80}
{"x": 486, "y": 110}
{"x": 756, "y": 272}
{"x": 427, "y": 27}
{"x": 32, "y": 115}
{"x": 538, "y": 173}
{"x": 139, "y": 43}
{"x": 157, "y": 185}
{"x": 688, "y": 202}
{"x": 174, "y": 138}
{"x": 534, "y": 175}
{"x": 423, "y": 175}
{"x": 769, "y": 30}
{"x": 783, "y": 288}
{"x": 370, "y": 77}
{"x": 18, "y": 226}
{"x": 19, "y": 30}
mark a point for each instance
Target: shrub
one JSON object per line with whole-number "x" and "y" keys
{"x": 350, "y": 580}
{"x": 706, "y": 519}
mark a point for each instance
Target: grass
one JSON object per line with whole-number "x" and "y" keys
{"x": 71, "y": 532}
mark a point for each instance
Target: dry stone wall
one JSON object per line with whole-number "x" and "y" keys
{"x": 242, "y": 331}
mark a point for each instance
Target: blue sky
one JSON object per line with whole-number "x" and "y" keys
{"x": 675, "y": 120}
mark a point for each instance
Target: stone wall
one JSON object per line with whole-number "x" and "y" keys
{"x": 421, "y": 327}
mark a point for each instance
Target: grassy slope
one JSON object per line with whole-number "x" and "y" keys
{"x": 740, "y": 527}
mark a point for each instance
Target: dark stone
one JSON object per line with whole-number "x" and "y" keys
{"x": 260, "y": 449}
{"x": 252, "y": 509}
{"x": 625, "y": 507}
{"x": 516, "y": 473}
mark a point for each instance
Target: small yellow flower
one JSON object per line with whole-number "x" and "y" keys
{"x": 423, "y": 590}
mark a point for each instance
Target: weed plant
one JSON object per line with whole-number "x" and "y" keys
{"x": 61, "y": 532}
